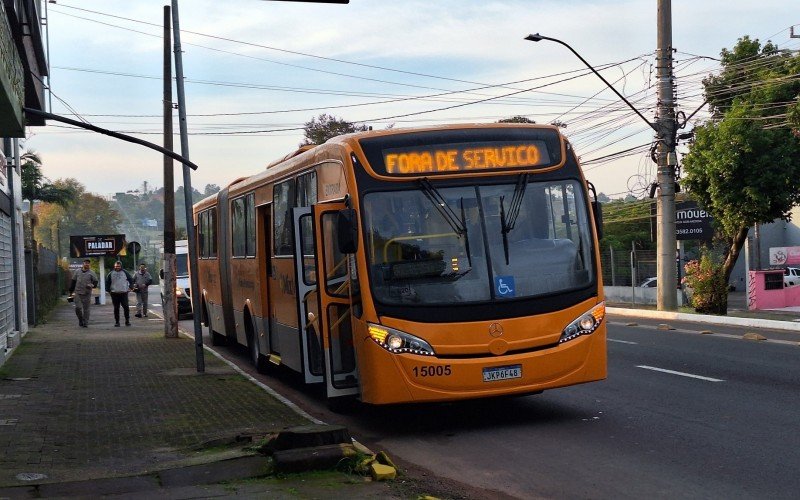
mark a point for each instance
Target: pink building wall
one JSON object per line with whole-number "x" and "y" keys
{"x": 759, "y": 298}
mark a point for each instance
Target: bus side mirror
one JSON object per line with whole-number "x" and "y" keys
{"x": 347, "y": 231}
{"x": 161, "y": 274}
{"x": 597, "y": 208}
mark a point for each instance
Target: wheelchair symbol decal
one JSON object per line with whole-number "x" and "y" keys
{"x": 504, "y": 286}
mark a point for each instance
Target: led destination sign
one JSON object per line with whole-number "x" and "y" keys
{"x": 468, "y": 157}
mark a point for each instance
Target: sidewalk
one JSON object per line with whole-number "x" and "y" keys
{"x": 81, "y": 405}
{"x": 787, "y": 319}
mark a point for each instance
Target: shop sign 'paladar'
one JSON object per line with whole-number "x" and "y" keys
{"x": 97, "y": 245}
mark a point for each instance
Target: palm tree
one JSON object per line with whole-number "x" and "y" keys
{"x": 36, "y": 187}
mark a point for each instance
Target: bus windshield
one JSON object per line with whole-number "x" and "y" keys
{"x": 477, "y": 243}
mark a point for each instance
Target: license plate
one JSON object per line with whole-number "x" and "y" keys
{"x": 502, "y": 373}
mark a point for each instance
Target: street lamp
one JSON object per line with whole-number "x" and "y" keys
{"x": 536, "y": 37}
{"x": 665, "y": 136}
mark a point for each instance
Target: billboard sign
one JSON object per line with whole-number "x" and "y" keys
{"x": 784, "y": 256}
{"x": 692, "y": 222}
{"x": 97, "y": 245}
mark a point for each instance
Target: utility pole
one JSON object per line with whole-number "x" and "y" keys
{"x": 667, "y": 161}
{"x": 169, "y": 280}
{"x": 187, "y": 190}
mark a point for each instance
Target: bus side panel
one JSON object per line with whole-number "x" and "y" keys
{"x": 208, "y": 283}
{"x": 283, "y": 312}
{"x": 245, "y": 293}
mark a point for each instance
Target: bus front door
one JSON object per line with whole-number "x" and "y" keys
{"x": 307, "y": 296}
{"x": 336, "y": 274}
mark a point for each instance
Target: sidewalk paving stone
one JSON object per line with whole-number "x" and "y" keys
{"x": 84, "y": 403}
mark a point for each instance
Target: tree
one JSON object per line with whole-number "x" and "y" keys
{"x": 625, "y": 222}
{"x": 211, "y": 189}
{"x": 35, "y": 186}
{"x": 516, "y": 119}
{"x": 325, "y": 127}
{"x": 744, "y": 165}
{"x": 86, "y": 214}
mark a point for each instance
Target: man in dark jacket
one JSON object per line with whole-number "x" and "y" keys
{"x": 119, "y": 283}
{"x": 80, "y": 289}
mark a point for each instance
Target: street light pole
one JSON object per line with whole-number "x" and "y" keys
{"x": 187, "y": 191}
{"x": 667, "y": 160}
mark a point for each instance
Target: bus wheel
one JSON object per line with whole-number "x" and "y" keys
{"x": 253, "y": 348}
{"x": 216, "y": 337}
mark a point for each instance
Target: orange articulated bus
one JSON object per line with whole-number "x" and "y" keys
{"x": 398, "y": 266}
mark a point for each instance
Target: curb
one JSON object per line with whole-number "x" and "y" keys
{"x": 233, "y": 469}
{"x": 711, "y": 320}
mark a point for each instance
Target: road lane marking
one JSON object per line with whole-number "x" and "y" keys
{"x": 623, "y": 341}
{"x": 682, "y": 374}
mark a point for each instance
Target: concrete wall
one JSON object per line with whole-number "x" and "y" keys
{"x": 637, "y": 295}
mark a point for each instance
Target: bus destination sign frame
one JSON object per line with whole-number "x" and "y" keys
{"x": 466, "y": 157}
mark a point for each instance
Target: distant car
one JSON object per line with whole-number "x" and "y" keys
{"x": 182, "y": 290}
{"x": 791, "y": 276}
{"x": 649, "y": 283}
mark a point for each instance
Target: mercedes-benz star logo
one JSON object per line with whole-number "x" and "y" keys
{"x": 495, "y": 330}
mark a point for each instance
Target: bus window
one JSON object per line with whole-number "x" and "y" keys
{"x": 336, "y": 263}
{"x": 307, "y": 196}
{"x": 422, "y": 252}
{"x": 250, "y": 225}
{"x": 238, "y": 228}
{"x": 282, "y": 217}
{"x": 307, "y": 189}
{"x": 211, "y": 232}
{"x": 202, "y": 234}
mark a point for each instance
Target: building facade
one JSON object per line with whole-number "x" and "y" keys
{"x": 23, "y": 70}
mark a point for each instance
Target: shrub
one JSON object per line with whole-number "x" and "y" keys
{"x": 707, "y": 281}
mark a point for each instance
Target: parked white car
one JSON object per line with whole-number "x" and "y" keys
{"x": 791, "y": 276}
{"x": 649, "y": 283}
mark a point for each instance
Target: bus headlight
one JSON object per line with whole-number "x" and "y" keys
{"x": 398, "y": 342}
{"x": 584, "y": 324}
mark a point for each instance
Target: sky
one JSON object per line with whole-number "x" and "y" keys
{"x": 257, "y": 70}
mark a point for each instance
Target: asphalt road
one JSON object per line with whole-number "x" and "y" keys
{"x": 682, "y": 415}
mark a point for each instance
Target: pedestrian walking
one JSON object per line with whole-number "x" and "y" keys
{"x": 119, "y": 283}
{"x": 80, "y": 289}
{"x": 141, "y": 280}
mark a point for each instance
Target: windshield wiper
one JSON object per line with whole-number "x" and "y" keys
{"x": 508, "y": 223}
{"x": 459, "y": 226}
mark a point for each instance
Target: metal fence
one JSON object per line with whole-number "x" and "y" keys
{"x": 46, "y": 282}
{"x": 624, "y": 268}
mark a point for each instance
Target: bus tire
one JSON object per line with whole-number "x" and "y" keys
{"x": 253, "y": 349}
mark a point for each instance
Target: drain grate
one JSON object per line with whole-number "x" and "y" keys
{"x": 31, "y": 476}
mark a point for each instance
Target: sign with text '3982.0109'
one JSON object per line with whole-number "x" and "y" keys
{"x": 97, "y": 245}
